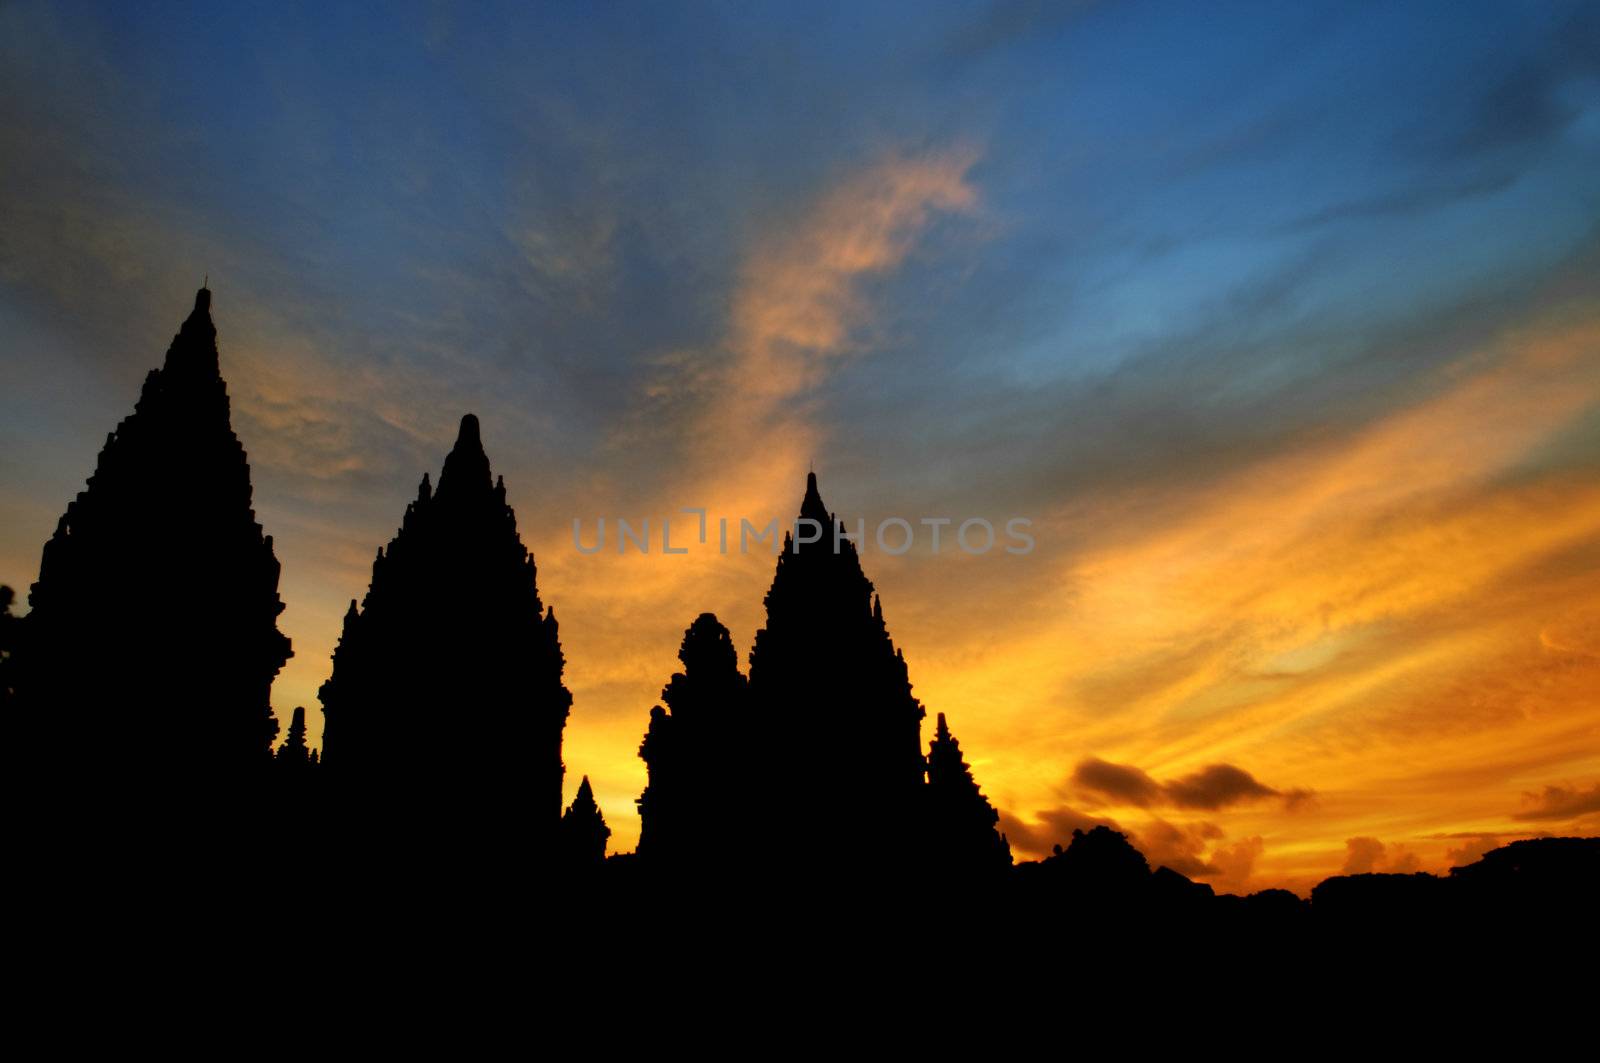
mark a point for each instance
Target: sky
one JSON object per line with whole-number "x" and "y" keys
{"x": 1279, "y": 323}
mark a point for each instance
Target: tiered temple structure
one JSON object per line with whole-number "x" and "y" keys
{"x": 583, "y": 831}
{"x": 694, "y": 752}
{"x": 839, "y": 730}
{"x": 815, "y": 766}
{"x": 152, "y": 642}
{"x": 961, "y": 838}
{"x": 446, "y": 699}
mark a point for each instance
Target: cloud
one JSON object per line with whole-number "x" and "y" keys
{"x": 1363, "y": 856}
{"x": 1228, "y": 866}
{"x": 797, "y": 306}
{"x": 1217, "y": 786}
{"x": 1366, "y": 855}
{"x": 1560, "y": 802}
{"x": 1179, "y": 846}
{"x": 1231, "y": 866}
{"x": 1213, "y": 787}
{"x": 1120, "y": 782}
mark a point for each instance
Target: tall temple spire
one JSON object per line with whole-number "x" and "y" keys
{"x": 159, "y": 588}
{"x": 452, "y": 640}
{"x": 583, "y": 830}
{"x": 467, "y": 466}
{"x": 824, "y": 664}
{"x": 812, "y": 508}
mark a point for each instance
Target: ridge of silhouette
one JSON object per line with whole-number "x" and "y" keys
{"x": 446, "y": 711}
{"x": 1539, "y": 881}
{"x": 823, "y": 662}
{"x": 451, "y": 639}
{"x": 157, "y": 589}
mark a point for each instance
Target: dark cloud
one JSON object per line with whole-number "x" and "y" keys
{"x": 1560, "y": 802}
{"x": 1214, "y": 787}
{"x": 1516, "y": 107}
{"x": 1119, "y": 782}
{"x": 1217, "y": 786}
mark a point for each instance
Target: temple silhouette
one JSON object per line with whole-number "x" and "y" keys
{"x": 155, "y": 611}
{"x": 139, "y": 682}
{"x": 721, "y": 732}
{"x": 451, "y": 638}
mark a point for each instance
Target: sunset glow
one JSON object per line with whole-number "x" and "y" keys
{"x": 1289, "y": 353}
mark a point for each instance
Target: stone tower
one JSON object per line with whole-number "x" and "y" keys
{"x": 839, "y": 731}
{"x": 446, "y": 694}
{"x": 152, "y": 644}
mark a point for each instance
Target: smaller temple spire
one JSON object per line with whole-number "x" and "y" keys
{"x": 812, "y": 507}
{"x": 583, "y": 829}
{"x": 294, "y": 753}
{"x": 194, "y": 348}
{"x": 466, "y": 466}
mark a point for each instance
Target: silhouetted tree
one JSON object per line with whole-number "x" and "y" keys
{"x": 1099, "y": 869}
{"x": 1370, "y": 900}
{"x": 583, "y": 830}
{"x": 452, "y": 638}
{"x": 962, "y": 840}
{"x": 158, "y": 589}
{"x": 694, "y": 752}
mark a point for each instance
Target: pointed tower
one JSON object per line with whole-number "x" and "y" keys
{"x": 583, "y": 830}
{"x": 446, "y": 693}
{"x": 962, "y": 841}
{"x": 159, "y": 590}
{"x": 294, "y": 754}
{"x": 694, "y": 751}
{"x": 839, "y": 727}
